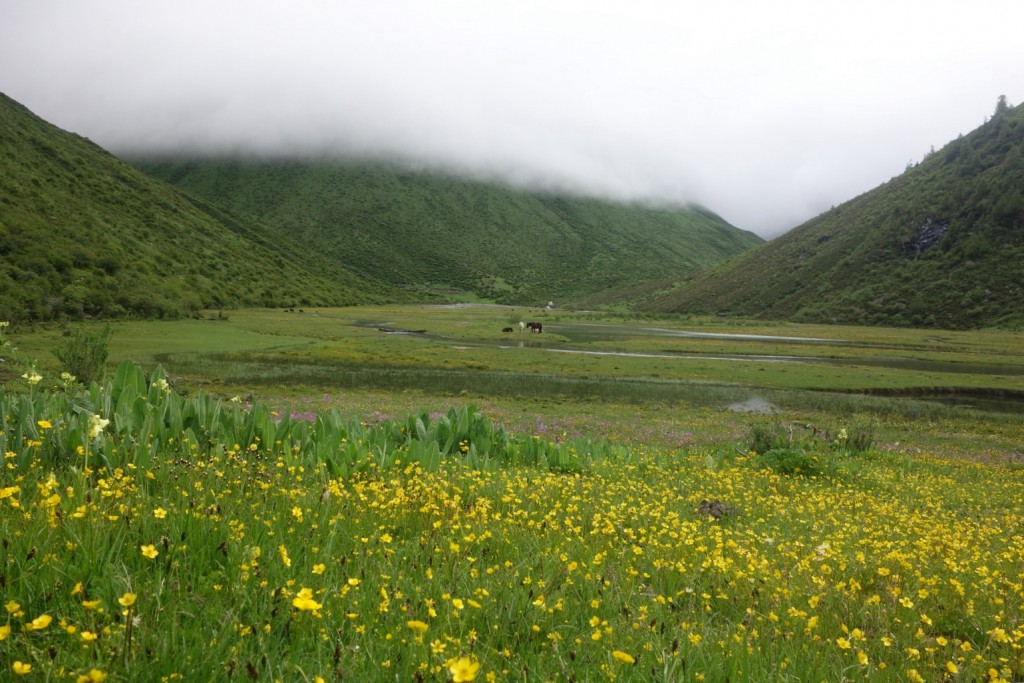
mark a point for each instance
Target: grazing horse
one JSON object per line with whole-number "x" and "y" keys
{"x": 522, "y": 326}
{"x": 535, "y": 327}
{"x": 506, "y": 330}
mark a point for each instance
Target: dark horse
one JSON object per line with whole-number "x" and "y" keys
{"x": 506, "y": 329}
{"x": 535, "y": 327}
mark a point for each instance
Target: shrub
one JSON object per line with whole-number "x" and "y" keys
{"x": 84, "y": 354}
{"x": 806, "y": 449}
{"x": 768, "y": 436}
{"x": 795, "y": 460}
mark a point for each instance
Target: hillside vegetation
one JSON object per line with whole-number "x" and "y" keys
{"x": 430, "y": 231}
{"x": 941, "y": 245}
{"x": 85, "y": 234}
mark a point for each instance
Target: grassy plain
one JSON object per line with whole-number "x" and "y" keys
{"x": 683, "y": 558}
{"x": 469, "y": 337}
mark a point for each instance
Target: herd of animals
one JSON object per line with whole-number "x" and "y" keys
{"x": 533, "y": 327}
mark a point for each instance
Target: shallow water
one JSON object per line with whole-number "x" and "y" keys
{"x": 589, "y": 332}
{"x": 594, "y": 332}
{"x": 581, "y": 335}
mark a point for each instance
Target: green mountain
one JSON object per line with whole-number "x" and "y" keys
{"x": 85, "y": 234}
{"x": 429, "y": 231}
{"x": 941, "y": 245}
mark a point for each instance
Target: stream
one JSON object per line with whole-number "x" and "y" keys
{"x": 580, "y": 335}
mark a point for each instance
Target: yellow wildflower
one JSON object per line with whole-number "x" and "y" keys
{"x": 463, "y": 669}
{"x": 304, "y": 601}
{"x": 623, "y": 657}
{"x": 39, "y": 623}
{"x": 21, "y": 668}
{"x": 149, "y": 551}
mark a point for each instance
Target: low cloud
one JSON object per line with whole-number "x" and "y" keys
{"x": 766, "y": 112}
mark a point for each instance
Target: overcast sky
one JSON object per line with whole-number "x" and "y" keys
{"x": 766, "y": 111}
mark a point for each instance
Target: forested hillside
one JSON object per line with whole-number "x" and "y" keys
{"x": 941, "y": 245}
{"x": 434, "y": 232}
{"x": 84, "y": 234}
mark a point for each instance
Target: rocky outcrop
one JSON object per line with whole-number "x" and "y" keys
{"x": 927, "y": 236}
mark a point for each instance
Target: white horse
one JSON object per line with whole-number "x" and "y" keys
{"x": 522, "y": 326}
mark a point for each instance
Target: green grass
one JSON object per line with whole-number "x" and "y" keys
{"x": 245, "y": 553}
{"x": 668, "y": 551}
{"x": 464, "y": 353}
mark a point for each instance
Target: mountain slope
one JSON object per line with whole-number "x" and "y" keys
{"x": 430, "y": 230}
{"x": 85, "y": 234}
{"x": 941, "y": 245}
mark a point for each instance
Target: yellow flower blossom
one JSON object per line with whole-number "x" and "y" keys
{"x": 149, "y": 551}
{"x": 623, "y": 657}
{"x": 997, "y": 634}
{"x": 304, "y": 601}
{"x": 39, "y": 623}
{"x": 21, "y": 668}
{"x": 463, "y": 669}
{"x": 126, "y": 600}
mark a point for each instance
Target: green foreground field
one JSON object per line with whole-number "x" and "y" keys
{"x": 223, "y": 521}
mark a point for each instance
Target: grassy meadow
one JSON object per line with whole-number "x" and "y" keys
{"x": 301, "y": 496}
